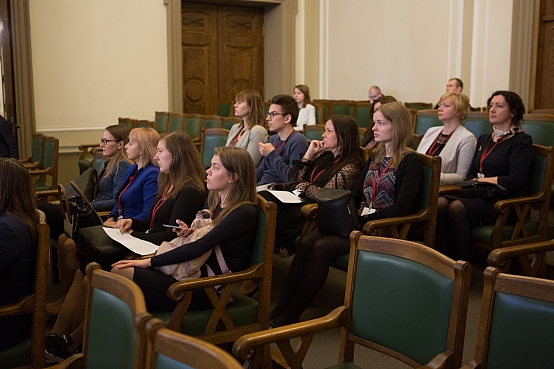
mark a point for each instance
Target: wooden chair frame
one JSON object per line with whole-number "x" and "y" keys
{"x": 345, "y": 103}
{"x": 211, "y": 132}
{"x": 186, "y": 118}
{"x": 233, "y": 120}
{"x": 531, "y": 258}
{"x": 363, "y": 104}
{"x": 164, "y": 118}
{"x": 35, "y": 302}
{"x": 211, "y": 117}
{"x": 495, "y": 281}
{"x": 313, "y": 127}
{"x": 181, "y": 292}
{"x": 458, "y": 271}
{"x": 320, "y": 106}
{"x": 52, "y": 171}
{"x": 28, "y": 162}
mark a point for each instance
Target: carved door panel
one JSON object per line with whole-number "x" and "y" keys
{"x": 222, "y": 54}
{"x": 544, "y": 90}
{"x": 241, "y": 52}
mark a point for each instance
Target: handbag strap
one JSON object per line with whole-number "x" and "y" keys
{"x": 221, "y": 261}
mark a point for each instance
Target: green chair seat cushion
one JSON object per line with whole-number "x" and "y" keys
{"x": 243, "y": 310}
{"x": 521, "y": 325}
{"x": 42, "y": 186}
{"x": 16, "y": 356}
{"x": 483, "y": 234}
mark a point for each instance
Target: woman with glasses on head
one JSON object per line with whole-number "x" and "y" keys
{"x": 307, "y": 110}
{"x": 248, "y": 134}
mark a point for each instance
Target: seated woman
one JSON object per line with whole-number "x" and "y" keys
{"x": 452, "y": 142}
{"x": 181, "y": 196}
{"x": 140, "y": 185}
{"x": 307, "y": 110}
{"x": 18, "y": 230}
{"x": 386, "y": 188}
{"x": 503, "y": 157}
{"x": 334, "y": 162}
{"x": 368, "y": 141}
{"x": 249, "y": 133}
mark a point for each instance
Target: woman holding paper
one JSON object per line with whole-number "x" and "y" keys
{"x": 503, "y": 157}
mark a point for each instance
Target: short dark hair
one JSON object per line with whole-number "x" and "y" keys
{"x": 288, "y": 105}
{"x": 514, "y": 102}
{"x": 459, "y": 82}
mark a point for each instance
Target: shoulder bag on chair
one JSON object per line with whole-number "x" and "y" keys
{"x": 337, "y": 214}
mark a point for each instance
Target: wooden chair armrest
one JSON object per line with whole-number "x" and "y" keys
{"x": 471, "y": 365}
{"x": 498, "y": 257}
{"x": 23, "y": 306}
{"x": 41, "y": 194}
{"x": 502, "y": 205}
{"x": 440, "y": 361}
{"x": 244, "y": 346}
{"x": 73, "y": 362}
{"x": 309, "y": 211}
{"x": 37, "y": 172}
{"x": 87, "y": 146}
{"x": 448, "y": 190}
{"x": 31, "y": 165}
{"x": 373, "y": 225}
{"x": 103, "y": 214}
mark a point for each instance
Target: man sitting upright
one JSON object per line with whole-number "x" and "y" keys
{"x": 285, "y": 146}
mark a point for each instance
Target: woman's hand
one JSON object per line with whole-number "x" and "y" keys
{"x": 488, "y": 179}
{"x": 140, "y": 263}
{"x": 183, "y": 230}
{"x": 124, "y": 225}
{"x": 314, "y": 148}
{"x": 110, "y": 222}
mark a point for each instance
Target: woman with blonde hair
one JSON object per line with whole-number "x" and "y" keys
{"x": 18, "y": 231}
{"x": 249, "y": 133}
{"x": 140, "y": 185}
{"x": 452, "y": 142}
{"x": 387, "y": 187}
{"x": 232, "y": 201}
{"x": 307, "y": 110}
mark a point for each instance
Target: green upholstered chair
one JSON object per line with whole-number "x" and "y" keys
{"x": 31, "y": 351}
{"x": 361, "y": 133}
{"x": 168, "y": 349}
{"x": 314, "y": 132}
{"x": 212, "y": 138}
{"x": 87, "y": 155}
{"x": 364, "y": 114}
{"x": 516, "y": 326}
{"x": 478, "y": 123}
{"x": 325, "y": 104}
{"x": 176, "y": 122}
{"x": 527, "y": 229}
{"x": 224, "y": 109}
{"x": 229, "y": 320}
{"x": 193, "y": 126}
{"x": 49, "y": 166}
{"x": 228, "y": 122}
{"x": 541, "y": 111}
{"x": 344, "y": 107}
{"x": 318, "y": 112}
{"x": 143, "y": 123}
{"x": 211, "y": 121}
{"x": 403, "y": 299}
{"x": 34, "y": 161}
{"x": 128, "y": 122}
{"x": 266, "y": 108}
{"x": 540, "y": 127}
{"x": 423, "y": 221}
{"x": 426, "y": 119}
{"x": 161, "y": 119}
{"x": 418, "y": 105}
{"x": 115, "y": 311}
{"x": 529, "y": 259}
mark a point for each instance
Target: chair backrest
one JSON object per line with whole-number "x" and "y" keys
{"x": 143, "y": 124}
{"x": 171, "y": 350}
{"x": 211, "y": 121}
{"x": 224, "y": 109}
{"x": 541, "y": 111}
{"x": 325, "y": 106}
{"x": 212, "y": 138}
{"x": 114, "y": 307}
{"x": 98, "y": 160}
{"x": 540, "y": 127}
{"x": 406, "y": 300}
{"x": 160, "y": 121}
{"x": 51, "y": 147}
{"x": 426, "y": 119}
{"x": 428, "y": 195}
{"x": 516, "y": 327}
{"x": 193, "y": 125}
{"x": 36, "y": 154}
{"x": 345, "y": 107}
{"x": 418, "y": 105}
{"x": 318, "y": 112}
{"x": 127, "y": 122}
{"x": 31, "y": 352}
{"x": 176, "y": 122}
{"x": 314, "y": 132}
{"x": 228, "y": 122}
{"x": 364, "y": 114}
{"x": 478, "y": 123}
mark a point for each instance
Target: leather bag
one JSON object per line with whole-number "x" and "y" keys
{"x": 337, "y": 214}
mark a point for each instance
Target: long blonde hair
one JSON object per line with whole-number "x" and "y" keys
{"x": 242, "y": 191}
{"x": 121, "y": 134}
{"x": 147, "y": 141}
{"x": 399, "y": 116}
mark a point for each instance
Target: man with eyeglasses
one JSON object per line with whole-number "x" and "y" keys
{"x": 284, "y": 147}
{"x": 374, "y": 93}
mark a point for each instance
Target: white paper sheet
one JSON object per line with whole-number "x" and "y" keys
{"x": 286, "y": 197}
{"x": 134, "y": 244}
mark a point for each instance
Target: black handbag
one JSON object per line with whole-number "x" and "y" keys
{"x": 337, "y": 214}
{"x": 81, "y": 214}
{"x": 482, "y": 190}
{"x": 93, "y": 244}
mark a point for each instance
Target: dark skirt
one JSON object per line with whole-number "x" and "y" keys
{"x": 481, "y": 212}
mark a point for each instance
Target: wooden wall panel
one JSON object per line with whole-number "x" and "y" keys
{"x": 544, "y": 90}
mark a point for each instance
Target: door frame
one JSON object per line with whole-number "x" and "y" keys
{"x": 279, "y": 48}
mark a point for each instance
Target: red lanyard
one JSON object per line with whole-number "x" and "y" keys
{"x": 119, "y": 207}
{"x": 102, "y": 176}
{"x": 282, "y": 145}
{"x": 432, "y": 150}
{"x": 377, "y": 181}
{"x": 158, "y": 205}
{"x": 486, "y": 153}
{"x": 237, "y": 137}
{"x": 313, "y": 179}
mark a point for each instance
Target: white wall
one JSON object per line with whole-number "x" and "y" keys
{"x": 95, "y": 61}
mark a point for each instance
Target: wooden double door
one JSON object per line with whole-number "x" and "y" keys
{"x": 222, "y": 50}
{"x": 544, "y": 85}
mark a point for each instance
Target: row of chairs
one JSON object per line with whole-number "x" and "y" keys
{"x": 43, "y": 162}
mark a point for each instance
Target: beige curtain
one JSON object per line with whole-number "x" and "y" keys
{"x": 23, "y": 75}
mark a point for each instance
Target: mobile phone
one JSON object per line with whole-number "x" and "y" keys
{"x": 171, "y": 226}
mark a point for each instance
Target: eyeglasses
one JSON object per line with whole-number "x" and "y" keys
{"x": 272, "y": 114}
{"x": 105, "y": 142}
